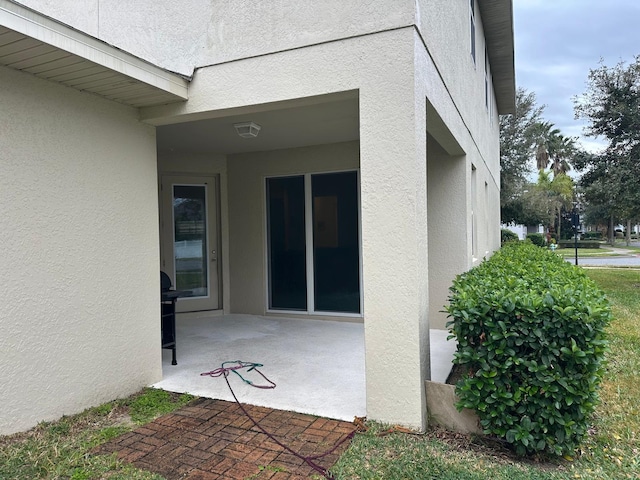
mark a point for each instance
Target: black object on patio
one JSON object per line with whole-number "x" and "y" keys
{"x": 168, "y": 298}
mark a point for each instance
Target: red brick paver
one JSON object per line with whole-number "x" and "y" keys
{"x": 213, "y": 439}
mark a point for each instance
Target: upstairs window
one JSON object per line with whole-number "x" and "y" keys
{"x": 472, "y": 21}
{"x": 486, "y": 79}
{"x": 488, "y": 86}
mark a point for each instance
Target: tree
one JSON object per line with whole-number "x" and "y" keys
{"x": 553, "y": 148}
{"x": 517, "y": 141}
{"x": 611, "y": 104}
{"x": 543, "y": 131}
{"x": 563, "y": 150}
{"x": 550, "y": 196}
{"x": 525, "y": 137}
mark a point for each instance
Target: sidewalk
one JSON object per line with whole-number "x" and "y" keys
{"x": 624, "y": 258}
{"x": 623, "y": 251}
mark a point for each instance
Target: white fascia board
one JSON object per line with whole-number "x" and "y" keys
{"x": 56, "y": 34}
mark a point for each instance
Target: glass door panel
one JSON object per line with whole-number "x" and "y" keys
{"x": 336, "y": 251}
{"x": 190, "y": 239}
{"x": 286, "y": 243}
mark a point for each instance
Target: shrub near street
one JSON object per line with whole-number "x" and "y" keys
{"x": 537, "y": 239}
{"x": 530, "y": 331}
{"x": 508, "y": 236}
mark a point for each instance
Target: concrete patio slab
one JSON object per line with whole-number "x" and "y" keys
{"x": 317, "y": 365}
{"x": 442, "y": 351}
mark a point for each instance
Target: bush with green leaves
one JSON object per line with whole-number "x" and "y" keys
{"x": 579, "y": 244}
{"x": 530, "y": 329}
{"x": 508, "y": 236}
{"x": 537, "y": 239}
{"x": 592, "y": 235}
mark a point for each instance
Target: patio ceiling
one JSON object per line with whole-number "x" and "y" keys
{"x": 325, "y": 119}
{"x": 33, "y": 43}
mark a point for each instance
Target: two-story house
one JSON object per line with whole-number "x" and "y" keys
{"x": 310, "y": 159}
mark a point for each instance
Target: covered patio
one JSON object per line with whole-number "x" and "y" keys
{"x": 317, "y": 365}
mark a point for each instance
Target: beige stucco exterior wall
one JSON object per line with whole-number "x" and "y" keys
{"x": 447, "y": 206}
{"x": 79, "y": 236}
{"x": 456, "y": 241}
{"x": 449, "y": 44}
{"x": 181, "y": 36}
{"x": 247, "y": 211}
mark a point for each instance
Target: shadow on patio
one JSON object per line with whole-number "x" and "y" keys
{"x": 317, "y": 365}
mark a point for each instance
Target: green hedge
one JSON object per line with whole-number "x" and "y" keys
{"x": 592, "y": 236}
{"x": 508, "y": 236}
{"x": 530, "y": 329}
{"x": 537, "y": 239}
{"x": 580, "y": 243}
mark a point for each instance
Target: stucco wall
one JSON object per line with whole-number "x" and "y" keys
{"x": 183, "y": 35}
{"x": 445, "y": 27}
{"x": 79, "y": 236}
{"x": 447, "y": 207}
{"x": 247, "y": 211}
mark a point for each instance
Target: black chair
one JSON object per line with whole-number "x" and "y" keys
{"x": 168, "y": 299}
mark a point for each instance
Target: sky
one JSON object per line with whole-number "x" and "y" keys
{"x": 559, "y": 41}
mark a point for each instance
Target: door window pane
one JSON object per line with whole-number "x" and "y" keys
{"x": 286, "y": 237}
{"x": 190, "y": 239}
{"x": 335, "y": 242}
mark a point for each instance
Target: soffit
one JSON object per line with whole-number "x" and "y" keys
{"x": 33, "y": 43}
{"x": 497, "y": 19}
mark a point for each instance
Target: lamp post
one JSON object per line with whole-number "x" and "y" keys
{"x": 575, "y": 222}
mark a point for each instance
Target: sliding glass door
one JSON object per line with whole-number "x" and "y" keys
{"x": 313, "y": 243}
{"x": 287, "y": 255}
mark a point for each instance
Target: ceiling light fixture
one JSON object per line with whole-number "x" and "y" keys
{"x": 247, "y": 129}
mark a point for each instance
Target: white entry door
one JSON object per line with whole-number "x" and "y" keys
{"x": 189, "y": 239}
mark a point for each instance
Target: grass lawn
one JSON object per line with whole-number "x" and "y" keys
{"x": 612, "y": 450}
{"x": 60, "y": 450}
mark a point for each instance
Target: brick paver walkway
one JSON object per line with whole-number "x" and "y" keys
{"x": 213, "y": 439}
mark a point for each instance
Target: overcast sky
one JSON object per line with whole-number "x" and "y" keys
{"x": 558, "y": 41}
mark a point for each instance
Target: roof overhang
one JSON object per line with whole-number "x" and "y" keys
{"x": 33, "y": 43}
{"x": 497, "y": 19}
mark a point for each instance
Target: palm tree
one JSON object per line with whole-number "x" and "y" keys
{"x": 550, "y": 195}
{"x": 561, "y": 150}
{"x": 543, "y": 132}
{"x": 552, "y": 146}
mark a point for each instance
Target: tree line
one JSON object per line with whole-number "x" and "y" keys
{"x": 608, "y": 191}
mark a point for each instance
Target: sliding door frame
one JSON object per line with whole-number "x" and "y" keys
{"x": 309, "y": 255}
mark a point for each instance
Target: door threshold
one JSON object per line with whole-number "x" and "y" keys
{"x": 199, "y": 314}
